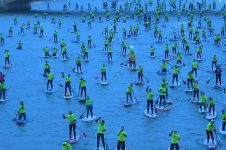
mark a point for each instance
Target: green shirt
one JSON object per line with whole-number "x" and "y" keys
{"x": 175, "y": 138}
{"x": 89, "y": 102}
{"x": 101, "y": 127}
{"x": 71, "y": 118}
{"x": 122, "y": 136}
{"x": 21, "y": 109}
{"x": 210, "y": 126}
{"x": 103, "y": 69}
{"x": 150, "y": 96}
{"x": 50, "y": 76}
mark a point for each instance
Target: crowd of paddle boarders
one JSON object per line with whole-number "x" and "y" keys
{"x": 194, "y": 34}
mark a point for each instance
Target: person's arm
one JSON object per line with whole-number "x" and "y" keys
{"x": 64, "y": 116}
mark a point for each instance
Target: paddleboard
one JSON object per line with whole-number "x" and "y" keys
{"x": 203, "y": 110}
{"x": 152, "y": 56}
{"x": 8, "y": 66}
{"x": 179, "y": 65}
{"x": 211, "y": 116}
{"x": 221, "y": 131}
{"x": 175, "y": 85}
{"x": 198, "y": 59}
{"x": 49, "y": 91}
{"x": 211, "y": 145}
{"x": 89, "y": 119}
{"x": 187, "y": 54}
{"x": 217, "y": 86}
{"x": 139, "y": 83}
{"x": 86, "y": 60}
{"x": 82, "y": 100}
{"x": 101, "y": 148}
{"x": 80, "y": 72}
{"x": 195, "y": 100}
{"x": 54, "y": 56}
{"x": 173, "y": 54}
{"x": 104, "y": 82}
{"x": 187, "y": 90}
{"x": 149, "y": 114}
{"x": 167, "y": 59}
{"x": 20, "y": 122}
{"x": 65, "y": 59}
{"x": 162, "y": 108}
{"x": 68, "y": 96}
{"x": 45, "y": 56}
{"x": 131, "y": 68}
{"x": 161, "y": 73}
{"x": 169, "y": 101}
{"x": 74, "y": 141}
{"x": 3, "y": 100}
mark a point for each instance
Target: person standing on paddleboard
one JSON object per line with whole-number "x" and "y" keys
{"x": 162, "y": 96}
{"x": 103, "y": 73}
{"x": 100, "y": 132}
{"x": 195, "y": 67}
{"x": 214, "y": 62}
{"x": 7, "y": 55}
{"x": 175, "y": 137}
{"x": 82, "y": 87}
{"x": 211, "y": 105}
{"x": 175, "y": 75}
{"x": 121, "y": 145}
{"x": 67, "y": 84}
{"x": 50, "y": 78}
{"x": 129, "y": 93}
{"x": 164, "y": 84}
{"x": 72, "y": 125}
{"x": 89, "y": 107}
{"x": 66, "y": 146}
{"x": 164, "y": 66}
{"x": 150, "y": 96}
{"x": 140, "y": 74}
{"x": 2, "y": 90}
{"x": 223, "y": 116}
{"x": 46, "y": 69}
{"x": 78, "y": 64}
{"x": 196, "y": 90}
{"x": 22, "y": 111}
{"x": 190, "y": 79}
{"x": 209, "y": 131}
{"x": 218, "y": 73}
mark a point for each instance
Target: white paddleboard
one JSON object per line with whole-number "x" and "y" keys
{"x": 211, "y": 116}
{"x": 162, "y": 108}
{"x": 195, "y": 100}
{"x": 2, "y": 100}
{"x": 49, "y": 91}
{"x": 217, "y": 86}
{"x": 65, "y": 59}
{"x": 154, "y": 115}
{"x": 173, "y": 54}
{"x": 187, "y": 90}
{"x": 89, "y": 119}
{"x": 104, "y": 82}
{"x": 221, "y": 131}
{"x": 175, "y": 84}
{"x": 131, "y": 68}
{"x": 86, "y": 60}
{"x": 73, "y": 141}
{"x": 78, "y": 71}
{"x": 7, "y": 66}
{"x": 161, "y": 73}
{"x": 68, "y": 96}
{"x": 45, "y": 56}
{"x": 210, "y": 145}
{"x": 203, "y": 110}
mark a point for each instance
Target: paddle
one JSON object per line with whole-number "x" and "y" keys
{"x": 146, "y": 79}
{"x": 97, "y": 76}
{"x": 157, "y": 101}
{"x": 135, "y": 98}
{"x": 216, "y": 136}
{"x": 84, "y": 134}
{"x": 82, "y": 115}
{"x": 59, "y": 84}
{"x": 14, "y": 119}
{"x": 123, "y": 62}
{"x": 183, "y": 80}
{"x": 208, "y": 81}
{"x": 62, "y": 74}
